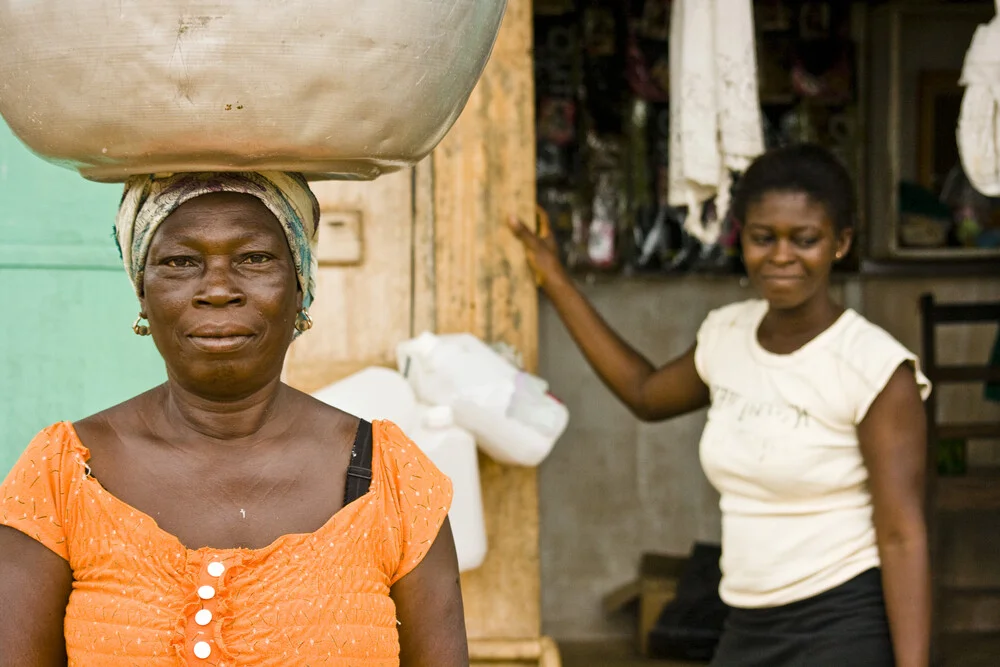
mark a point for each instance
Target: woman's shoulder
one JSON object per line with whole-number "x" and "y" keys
{"x": 403, "y": 463}
{"x": 872, "y": 354}
{"x": 395, "y": 448}
{"x": 101, "y": 430}
{"x": 418, "y": 492}
{"x": 53, "y": 442}
{"x": 859, "y": 340}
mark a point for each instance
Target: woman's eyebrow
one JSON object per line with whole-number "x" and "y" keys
{"x": 194, "y": 239}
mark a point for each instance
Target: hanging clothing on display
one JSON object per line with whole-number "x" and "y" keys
{"x": 715, "y": 117}
{"x": 978, "y": 129}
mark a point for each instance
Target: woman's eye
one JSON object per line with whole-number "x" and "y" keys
{"x": 257, "y": 258}
{"x": 761, "y": 240}
{"x": 807, "y": 242}
{"x": 179, "y": 262}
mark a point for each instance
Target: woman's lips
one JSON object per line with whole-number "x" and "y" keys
{"x": 781, "y": 279}
{"x": 217, "y": 344}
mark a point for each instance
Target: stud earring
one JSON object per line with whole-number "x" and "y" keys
{"x": 139, "y": 328}
{"x": 303, "y": 322}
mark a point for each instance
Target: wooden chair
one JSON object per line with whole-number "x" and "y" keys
{"x": 962, "y": 614}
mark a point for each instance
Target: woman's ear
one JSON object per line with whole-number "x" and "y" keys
{"x": 844, "y": 239}
{"x": 300, "y": 298}
{"x": 141, "y": 281}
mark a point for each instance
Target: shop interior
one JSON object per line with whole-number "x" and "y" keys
{"x": 878, "y": 83}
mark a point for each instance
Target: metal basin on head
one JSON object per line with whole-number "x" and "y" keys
{"x": 344, "y": 89}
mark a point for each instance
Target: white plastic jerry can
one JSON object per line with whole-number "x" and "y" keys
{"x": 511, "y": 413}
{"x": 453, "y": 450}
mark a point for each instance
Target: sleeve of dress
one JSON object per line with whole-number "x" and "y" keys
{"x": 703, "y": 346}
{"x": 875, "y": 355}
{"x": 423, "y": 497}
{"x": 33, "y": 497}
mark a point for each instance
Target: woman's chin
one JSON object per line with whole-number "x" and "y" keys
{"x": 225, "y": 379}
{"x": 782, "y": 299}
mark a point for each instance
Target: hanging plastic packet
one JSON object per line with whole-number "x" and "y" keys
{"x": 601, "y": 239}
{"x": 608, "y": 208}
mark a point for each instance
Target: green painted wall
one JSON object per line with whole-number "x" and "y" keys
{"x": 66, "y": 307}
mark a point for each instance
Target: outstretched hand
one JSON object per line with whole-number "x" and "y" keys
{"x": 541, "y": 249}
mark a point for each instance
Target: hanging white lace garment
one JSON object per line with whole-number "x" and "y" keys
{"x": 979, "y": 120}
{"x": 715, "y": 119}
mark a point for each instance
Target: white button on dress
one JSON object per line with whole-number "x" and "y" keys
{"x": 203, "y": 617}
{"x": 202, "y": 650}
{"x": 216, "y": 569}
{"x": 206, "y": 592}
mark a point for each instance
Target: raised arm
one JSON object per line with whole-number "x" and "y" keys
{"x": 34, "y": 587}
{"x": 652, "y": 394}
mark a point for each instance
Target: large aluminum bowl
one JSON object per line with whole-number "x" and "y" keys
{"x": 334, "y": 88}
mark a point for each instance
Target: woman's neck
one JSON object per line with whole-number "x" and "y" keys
{"x": 817, "y": 313}
{"x": 235, "y": 421}
{"x": 785, "y": 330}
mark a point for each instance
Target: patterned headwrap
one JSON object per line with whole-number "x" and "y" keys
{"x": 148, "y": 200}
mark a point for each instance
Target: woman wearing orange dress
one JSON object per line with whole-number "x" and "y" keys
{"x": 224, "y": 518}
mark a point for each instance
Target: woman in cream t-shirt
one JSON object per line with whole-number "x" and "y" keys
{"x": 816, "y": 434}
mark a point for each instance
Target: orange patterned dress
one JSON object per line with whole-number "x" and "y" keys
{"x": 140, "y": 598}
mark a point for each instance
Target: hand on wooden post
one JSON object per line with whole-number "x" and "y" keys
{"x": 542, "y": 251}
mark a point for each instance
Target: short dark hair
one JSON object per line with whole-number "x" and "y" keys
{"x": 803, "y": 168}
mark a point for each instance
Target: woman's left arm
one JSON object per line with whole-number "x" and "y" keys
{"x": 429, "y": 609}
{"x": 893, "y": 438}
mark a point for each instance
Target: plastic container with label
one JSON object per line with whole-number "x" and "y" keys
{"x": 511, "y": 413}
{"x": 453, "y": 451}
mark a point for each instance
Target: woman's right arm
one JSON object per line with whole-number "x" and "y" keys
{"x": 651, "y": 394}
{"x": 35, "y": 584}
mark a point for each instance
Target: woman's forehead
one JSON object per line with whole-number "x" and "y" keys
{"x": 796, "y": 208}
{"x": 222, "y": 214}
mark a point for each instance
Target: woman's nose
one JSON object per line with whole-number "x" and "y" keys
{"x": 219, "y": 285}
{"x": 782, "y": 252}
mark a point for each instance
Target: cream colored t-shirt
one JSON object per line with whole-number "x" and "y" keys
{"x": 781, "y": 446}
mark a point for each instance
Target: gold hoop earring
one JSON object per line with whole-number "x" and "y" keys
{"x": 303, "y": 322}
{"x": 139, "y": 328}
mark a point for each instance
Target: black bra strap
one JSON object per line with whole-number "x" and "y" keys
{"x": 359, "y": 472}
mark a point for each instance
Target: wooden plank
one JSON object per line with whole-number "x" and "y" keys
{"x": 970, "y": 649}
{"x": 964, "y": 313}
{"x": 974, "y": 431}
{"x": 542, "y": 652}
{"x": 971, "y": 493}
{"x": 970, "y": 609}
{"x": 361, "y": 312}
{"x": 423, "y": 317}
{"x": 482, "y": 172}
{"x": 958, "y": 374}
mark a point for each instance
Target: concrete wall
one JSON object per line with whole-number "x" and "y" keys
{"x": 615, "y": 488}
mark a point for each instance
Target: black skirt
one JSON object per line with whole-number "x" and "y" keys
{"x": 845, "y": 626}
